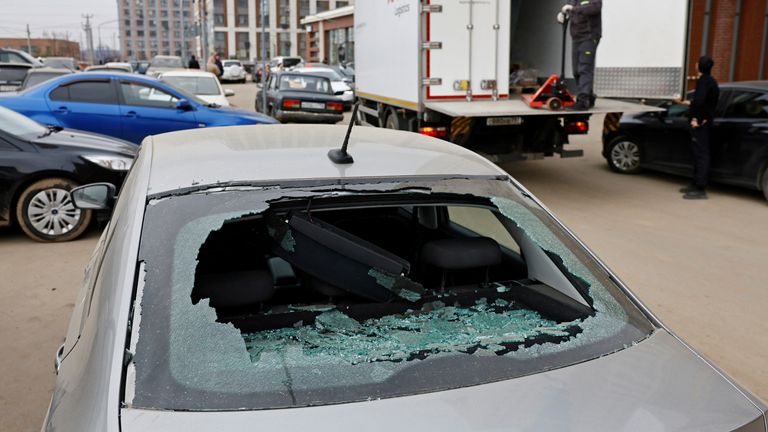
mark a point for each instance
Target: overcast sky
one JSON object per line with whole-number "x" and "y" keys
{"x": 58, "y": 16}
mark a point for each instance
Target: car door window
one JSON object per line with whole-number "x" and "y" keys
{"x": 98, "y": 92}
{"x": 138, "y": 94}
{"x": 11, "y": 57}
{"x": 747, "y": 105}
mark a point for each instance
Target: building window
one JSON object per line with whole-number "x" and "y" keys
{"x": 128, "y": 33}
{"x": 283, "y": 44}
{"x": 140, "y": 33}
{"x": 220, "y": 43}
{"x": 163, "y": 14}
{"x": 303, "y": 12}
{"x": 341, "y": 4}
{"x": 241, "y": 12}
{"x": 340, "y": 46}
{"x": 322, "y": 5}
{"x": 302, "y": 44}
{"x": 283, "y": 14}
{"x": 258, "y": 14}
{"x": 220, "y": 12}
{"x": 242, "y": 44}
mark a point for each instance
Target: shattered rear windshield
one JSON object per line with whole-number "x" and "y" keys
{"x": 263, "y": 298}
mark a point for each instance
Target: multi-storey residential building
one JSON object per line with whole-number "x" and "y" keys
{"x": 155, "y": 27}
{"x": 233, "y": 27}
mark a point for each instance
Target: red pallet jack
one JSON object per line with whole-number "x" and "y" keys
{"x": 553, "y": 94}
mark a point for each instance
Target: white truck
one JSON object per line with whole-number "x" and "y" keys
{"x": 442, "y": 68}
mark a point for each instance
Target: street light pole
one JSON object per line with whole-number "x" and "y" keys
{"x": 263, "y": 11}
{"x": 98, "y": 27}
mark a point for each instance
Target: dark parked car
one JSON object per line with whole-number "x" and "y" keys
{"x": 40, "y": 75}
{"x": 39, "y": 166}
{"x": 297, "y": 97}
{"x": 661, "y": 141}
{"x": 125, "y": 106}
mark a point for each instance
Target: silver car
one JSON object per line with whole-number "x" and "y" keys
{"x": 255, "y": 278}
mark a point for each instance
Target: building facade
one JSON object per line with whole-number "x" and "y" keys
{"x": 233, "y": 28}
{"x": 155, "y": 27}
{"x": 330, "y": 36}
{"x": 44, "y": 47}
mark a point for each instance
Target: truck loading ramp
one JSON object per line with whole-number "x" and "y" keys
{"x": 516, "y": 107}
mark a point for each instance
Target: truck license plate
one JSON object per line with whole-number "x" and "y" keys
{"x": 503, "y": 121}
{"x": 313, "y": 105}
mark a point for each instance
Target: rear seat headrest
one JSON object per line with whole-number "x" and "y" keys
{"x": 462, "y": 253}
{"x": 235, "y": 289}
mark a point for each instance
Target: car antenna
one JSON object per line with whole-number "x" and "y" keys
{"x": 340, "y": 156}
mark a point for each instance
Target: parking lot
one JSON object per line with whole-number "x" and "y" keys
{"x": 696, "y": 264}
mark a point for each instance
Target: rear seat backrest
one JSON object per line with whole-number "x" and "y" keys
{"x": 236, "y": 289}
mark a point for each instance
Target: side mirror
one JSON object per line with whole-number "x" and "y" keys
{"x": 229, "y": 92}
{"x": 94, "y": 196}
{"x": 183, "y": 105}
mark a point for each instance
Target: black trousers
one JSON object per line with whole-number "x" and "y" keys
{"x": 700, "y": 139}
{"x": 583, "y": 53}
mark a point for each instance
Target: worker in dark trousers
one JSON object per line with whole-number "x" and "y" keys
{"x": 701, "y": 117}
{"x": 586, "y": 30}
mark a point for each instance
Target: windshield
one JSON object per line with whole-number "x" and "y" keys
{"x": 16, "y": 124}
{"x": 231, "y": 63}
{"x": 203, "y": 86}
{"x": 327, "y": 73}
{"x": 34, "y": 79}
{"x": 186, "y": 94}
{"x": 167, "y": 62}
{"x": 67, "y": 63}
{"x": 308, "y": 295}
{"x": 306, "y": 83}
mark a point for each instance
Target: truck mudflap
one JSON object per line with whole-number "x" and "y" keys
{"x": 517, "y": 107}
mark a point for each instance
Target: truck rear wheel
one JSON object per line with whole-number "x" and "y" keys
{"x": 395, "y": 121}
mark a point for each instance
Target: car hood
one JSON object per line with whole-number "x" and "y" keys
{"x": 657, "y": 385}
{"x": 244, "y": 114}
{"x": 217, "y": 99}
{"x": 87, "y": 141}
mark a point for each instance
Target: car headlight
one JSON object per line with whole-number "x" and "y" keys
{"x": 114, "y": 163}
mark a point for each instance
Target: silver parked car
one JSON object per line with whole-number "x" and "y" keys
{"x": 256, "y": 278}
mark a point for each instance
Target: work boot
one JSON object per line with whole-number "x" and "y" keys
{"x": 592, "y": 100}
{"x": 580, "y": 105}
{"x": 696, "y": 194}
{"x": 688, "y": 188}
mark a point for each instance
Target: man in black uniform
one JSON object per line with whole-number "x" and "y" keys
{"x": 701, "y": 116}
{"x": 586, "y": 30}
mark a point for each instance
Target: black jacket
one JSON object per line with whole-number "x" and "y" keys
{"x": 586, "y": 19}
{"x": 705, "y": 99}
{"x": 193, "y": 64}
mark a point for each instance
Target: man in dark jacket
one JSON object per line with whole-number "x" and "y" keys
{"x": 701, "y": 116}
{"x": 193, "y": 63}
{"x": 586, "y": 30}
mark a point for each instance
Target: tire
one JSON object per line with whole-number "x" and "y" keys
{"x": 46, "y": 214}
{"x": 394, "y": 121}
{"x": 257, "y": 105}
{"x": 242, "y": 81}
{"x": 765, "y": 182}
{"x": 624, "y": 155}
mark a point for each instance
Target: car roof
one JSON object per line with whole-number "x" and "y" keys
{"x": 761, "y": 85}
{"x": 188, "y": 72}
{"x": 258, "y": 153}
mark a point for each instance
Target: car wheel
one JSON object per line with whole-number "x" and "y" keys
{"x": 765, "y": 182}
{"x": 46, "y": 213}
{"x": 258, "y": 105}
{"x": 624, "y": 155}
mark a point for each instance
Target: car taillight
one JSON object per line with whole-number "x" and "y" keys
{"x": 577, "y": 127}
{"x": 437, "y": 132}
{"x": 291, "y": 103}
{"x": 335, "y": 106}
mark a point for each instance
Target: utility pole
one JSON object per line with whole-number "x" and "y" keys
{"x": 89, "y": 36}
{"x": 29, "y": 42}
{"x": 264, "y": 5}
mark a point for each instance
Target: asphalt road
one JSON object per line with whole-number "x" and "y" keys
{"x": 698, "y": 265}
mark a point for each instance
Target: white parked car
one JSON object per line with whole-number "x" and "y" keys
{"x": 233, "y": 71}
{"x": 202, "y": 84}
{"x": 340, "y": 87}
{"x": 261, "y": 278}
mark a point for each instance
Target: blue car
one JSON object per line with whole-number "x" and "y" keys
{"x": 129, "y": 107}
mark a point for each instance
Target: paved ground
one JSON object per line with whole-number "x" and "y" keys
{"x": 698, "y": 265}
